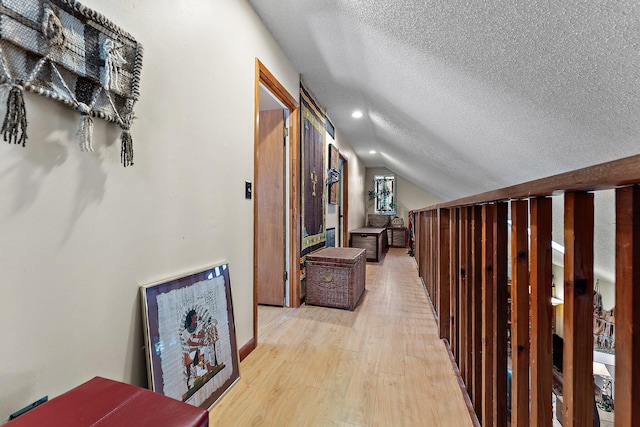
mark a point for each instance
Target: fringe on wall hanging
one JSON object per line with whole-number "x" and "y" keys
{"x": 14, "y": 126}
{"x": 126, "y": 142}
{"x": 65, "y": 51}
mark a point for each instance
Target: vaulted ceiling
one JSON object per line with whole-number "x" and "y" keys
{"x": 461, "y": 97}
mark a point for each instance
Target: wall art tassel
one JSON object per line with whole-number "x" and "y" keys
{"x": 126, "y": 151}
{"x": 14, "y": 127}
{"x": 85, "y": 132}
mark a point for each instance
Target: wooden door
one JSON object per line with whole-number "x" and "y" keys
{"x": 270, "y": 198}
{"x": 344, "y": 202}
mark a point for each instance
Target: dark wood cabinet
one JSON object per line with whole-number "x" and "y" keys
{"x": 397, "y": 237}
{"x": 371, "y": 239}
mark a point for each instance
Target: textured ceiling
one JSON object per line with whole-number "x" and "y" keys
{"x": 462, "y": 97}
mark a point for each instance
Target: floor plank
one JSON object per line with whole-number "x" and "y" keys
{"x": 380, "y": 365}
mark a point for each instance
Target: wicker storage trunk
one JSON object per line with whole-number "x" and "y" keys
{"x": 336, "y": 277}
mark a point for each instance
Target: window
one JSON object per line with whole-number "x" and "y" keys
{"x": 384, "y": 194}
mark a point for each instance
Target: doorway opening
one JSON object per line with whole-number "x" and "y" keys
{"x": 271, "y": 201}
{"x": 275, "y": 229}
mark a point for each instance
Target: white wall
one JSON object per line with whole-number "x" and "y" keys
{"x": 80, "y": 233}
{"x": 409, "y": 196}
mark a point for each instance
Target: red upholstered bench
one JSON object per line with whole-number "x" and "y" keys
{"x": 103, "y": 402}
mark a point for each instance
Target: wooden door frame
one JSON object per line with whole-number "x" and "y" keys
{"x": 263, "y": 76}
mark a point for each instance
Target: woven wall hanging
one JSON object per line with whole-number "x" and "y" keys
{"x": 68, "y": 52}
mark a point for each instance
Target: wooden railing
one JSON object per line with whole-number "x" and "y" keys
{"x": 461, "y": 251}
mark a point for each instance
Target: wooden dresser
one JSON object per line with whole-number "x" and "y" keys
{"x": 372, "y": 239}
{"x": 397, "y": 237}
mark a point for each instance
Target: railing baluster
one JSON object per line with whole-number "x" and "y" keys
{"x": 454, "y": 271}
{"x": 464, "y": 283}
{"x": 541, "y": 312}
{"x": 488, "y": 309}
{"x": 520, "y": 313}
{"x": 500, "y": 266}
{"x": 627, "y": 384}
{"x": 468, "y": 299}
{"x": 444, "y": 277}
{"x": 578, "y": 404}
{"x": 427, "y": 256}
{"x": 475, "y": 304}
{"x": 423, "y": 247}
{"x": 434, "y": 265}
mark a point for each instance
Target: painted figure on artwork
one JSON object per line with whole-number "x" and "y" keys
{"x": 200, "y": 355}
{"x": 213, "y": 338}
{"x": 202, "y": 367}
{"x": 194, "y": 338}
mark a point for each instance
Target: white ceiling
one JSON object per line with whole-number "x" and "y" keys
{"x": 462, "y": 97}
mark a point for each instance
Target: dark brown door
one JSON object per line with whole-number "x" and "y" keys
{"x": 344, "y": 202}
{"x": 270, "y": 197}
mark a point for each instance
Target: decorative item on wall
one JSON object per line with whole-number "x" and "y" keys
{"x": 333, "y": 174}
{"x": 70, "y": 53}
{"x": 312, "y": 149}
{"x": 190, "y": 336}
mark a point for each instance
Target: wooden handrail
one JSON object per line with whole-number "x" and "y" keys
{"x": 604, "y": 176}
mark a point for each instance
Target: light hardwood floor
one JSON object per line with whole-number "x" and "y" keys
{"x": 380, "y": 365}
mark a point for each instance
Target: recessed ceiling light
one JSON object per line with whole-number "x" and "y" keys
{"x": 372, "y": 152}
{"x": 356, "y": 114}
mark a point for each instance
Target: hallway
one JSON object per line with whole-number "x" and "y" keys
{"x": 380, "y": 365}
